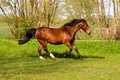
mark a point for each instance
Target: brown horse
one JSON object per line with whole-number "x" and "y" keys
{"x": 64, "y": 35}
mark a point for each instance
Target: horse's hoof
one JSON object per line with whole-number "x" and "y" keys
{"x": 80, "y": 57}
{"x": 42, "y": 58}
{"x": 54, "y": 58}
{"x": 65, "y": 56}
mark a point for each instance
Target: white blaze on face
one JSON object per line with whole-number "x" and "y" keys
{"x": 52, "y": 56}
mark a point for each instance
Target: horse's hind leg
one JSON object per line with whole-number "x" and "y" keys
{"x": 44, "y": 45}
{"x": 39, "y": 50}
{"x": 50, "y": 54}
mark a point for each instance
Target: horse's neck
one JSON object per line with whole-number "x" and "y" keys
{"x": 72, "y": 30}
{"x": 75, "y": 29}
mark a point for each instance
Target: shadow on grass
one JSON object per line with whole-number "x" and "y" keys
{"x": 92, "y": 56}
{"x": 61, "y": 55}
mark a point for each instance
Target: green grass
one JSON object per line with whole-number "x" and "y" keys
{"x": 4, "y": 30}
{"x": 3, "y": 24}
{"x": 101, "y": 61}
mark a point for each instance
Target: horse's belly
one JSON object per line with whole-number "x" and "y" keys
{"x": 54, "y": 41}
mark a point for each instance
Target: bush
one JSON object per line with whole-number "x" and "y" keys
{"x": 18, "y": 28}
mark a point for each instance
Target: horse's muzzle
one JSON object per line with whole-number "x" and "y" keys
{"x": 89, "y": 33}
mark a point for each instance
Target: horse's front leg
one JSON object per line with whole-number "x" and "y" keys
{"x": 75, "y": 48}
{"x": 68, "y": 53}
{"x": 70, "y": 49}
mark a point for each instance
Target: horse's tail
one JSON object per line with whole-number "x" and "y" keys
{"x": 29, "y": 34}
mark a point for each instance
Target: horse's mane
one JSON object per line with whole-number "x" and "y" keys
{"x": 74, "y": 22}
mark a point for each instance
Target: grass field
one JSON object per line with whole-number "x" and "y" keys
{"x": 4, "y": 30}
{"x": 101, "y": 61}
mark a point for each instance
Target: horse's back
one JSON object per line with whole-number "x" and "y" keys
{"x": 48, "y": 31}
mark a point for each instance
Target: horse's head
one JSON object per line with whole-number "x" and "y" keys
{"x": 84, "y": 26}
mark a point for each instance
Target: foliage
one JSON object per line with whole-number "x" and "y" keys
{"x": 79, "y": 8}
{"x": 97, "y": 12}
{"x": 21, "y": 14}
{"x": 100, "y": 61}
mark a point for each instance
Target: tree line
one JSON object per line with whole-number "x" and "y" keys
{"x": 22, "y": 14}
